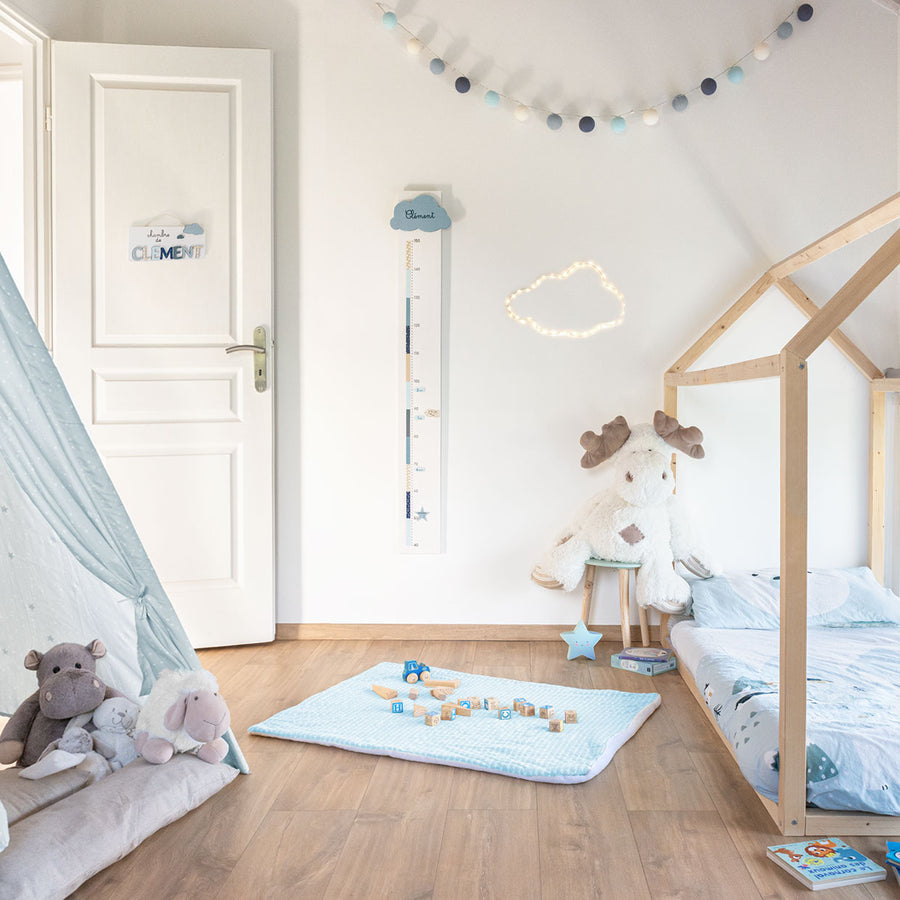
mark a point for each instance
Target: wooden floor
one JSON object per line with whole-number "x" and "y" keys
{"x": 670, "y": 817}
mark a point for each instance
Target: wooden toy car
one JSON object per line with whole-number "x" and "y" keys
{"x": 412, "y": 671}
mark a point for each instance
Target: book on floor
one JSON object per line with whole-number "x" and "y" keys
{"x": 646, "y": 654}
{"x": 825, "y": 863}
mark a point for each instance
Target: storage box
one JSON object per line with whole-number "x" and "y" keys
{"x": 643, "y": 668}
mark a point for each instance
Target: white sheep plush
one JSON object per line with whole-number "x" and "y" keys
{"x": 638, "y": 519}
{"x": 183, "y": 713}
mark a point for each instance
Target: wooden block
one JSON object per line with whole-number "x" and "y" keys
{"x": 436, "y": 682}
{"x": 448, "y": 714}
{"x": 475, "y": 702}
{"x": 397, "y": 706}
{"x": 546, "y": 712}
{"x": 517, "y": 703}
{"x": 556, "y": 725}
{"x": 526, "y": 709}
{"x": 463, "y": 710}
{"x": 491, "y": 703}
{"x": 440, "y": 694}
{"x": 466, "y": 703}
{"x": 432, "y": 720}
{"x": 419, "y": 710}
{"x": 413, "y": 693}
{"x": 504, "y": 712}
{"x": 571, "y": 716}
{"x": 386, "y": 692}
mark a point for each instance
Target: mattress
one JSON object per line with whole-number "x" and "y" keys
{"x": 853, "y": 688}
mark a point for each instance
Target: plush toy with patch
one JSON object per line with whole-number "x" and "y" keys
{"x": 638, "y": 519}
{"x": 115, "y": 720}
{"x": 68, "y": 686}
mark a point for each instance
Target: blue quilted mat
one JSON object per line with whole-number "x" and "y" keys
{"x": 352, "y": 716}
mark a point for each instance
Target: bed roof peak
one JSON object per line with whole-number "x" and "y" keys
{"x": 823, "y": 322}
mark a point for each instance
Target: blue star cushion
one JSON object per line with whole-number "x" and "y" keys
{"x": 581, "y": 641}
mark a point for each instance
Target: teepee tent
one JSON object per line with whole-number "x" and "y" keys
{"x": 72, "y": 567}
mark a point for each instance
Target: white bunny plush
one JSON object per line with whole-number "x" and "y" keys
{"x": 638, "y": 519}
{"x": 115, "y": 720}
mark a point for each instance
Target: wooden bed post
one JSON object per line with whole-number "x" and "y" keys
{"x": 792, "y": 658}
{"x": 877, "y": 441}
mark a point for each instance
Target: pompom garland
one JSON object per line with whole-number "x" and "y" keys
{"x": 523, "y": 112}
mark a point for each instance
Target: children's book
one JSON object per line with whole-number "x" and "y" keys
{"x": 825, "y": 863}
{"x": 646, "y": 654}
{"x": 643, "y": 667}
{"x": 893, "y": 858}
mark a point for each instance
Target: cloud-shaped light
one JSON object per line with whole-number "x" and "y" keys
{"x": 193, "y": 228}
{"x": 423, "y": 213}
{"x": 605, "y": 283}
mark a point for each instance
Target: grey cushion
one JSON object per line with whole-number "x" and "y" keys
{"x": 22, "y": 797}
{"x": 102, "y": 823}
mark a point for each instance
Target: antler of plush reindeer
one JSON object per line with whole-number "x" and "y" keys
{"x": 687, "y": 440}
{"x": 601, "y": 446}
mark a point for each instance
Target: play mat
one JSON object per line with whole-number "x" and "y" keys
{"x": 352, "y": 716}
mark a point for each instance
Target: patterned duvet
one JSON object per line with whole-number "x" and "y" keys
{"x": 853, "y": 732}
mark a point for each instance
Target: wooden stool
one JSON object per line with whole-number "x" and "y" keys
{"x": 624, "y": 595}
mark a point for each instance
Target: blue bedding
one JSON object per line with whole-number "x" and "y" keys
{"x": 853, "y": 735}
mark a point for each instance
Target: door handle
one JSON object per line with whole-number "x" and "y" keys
{"x": 258, "y": 347}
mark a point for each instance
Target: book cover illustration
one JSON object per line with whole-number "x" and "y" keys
{"x": 824, "y": 861}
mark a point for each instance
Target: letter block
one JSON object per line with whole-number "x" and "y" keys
{"x": 546, "y": 712}
{"x": 475, "y": 702}
{"x": 432, "y": 720}
{"x": 571, "y": 716}
{"x": 413, "y": 693}
{"x": 555, "y": 725}
{"x": 526, "y": 709}
{"x": 448, "y": 713}
{"x": 397, "y": 706}
{"x": 466, "y": 703}
{"x": 517, "y": 703}
{"x": 491, "y": 703}
{"x": 504, "y": 712}
{"x": 419, "y": 710}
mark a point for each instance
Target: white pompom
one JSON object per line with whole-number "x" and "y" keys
{"x": 650, "y": 116}
{"x": 761, "y": 51}
{"x": 414, "y": 46}
{"x": 522, "y": 113}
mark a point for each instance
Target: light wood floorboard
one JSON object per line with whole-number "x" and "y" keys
{"x": 670, "y": 817}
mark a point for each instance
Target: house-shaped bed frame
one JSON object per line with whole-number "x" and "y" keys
{"x": 791, "y": 814}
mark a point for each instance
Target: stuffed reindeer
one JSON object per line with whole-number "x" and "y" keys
{"x": 638, "y": 519}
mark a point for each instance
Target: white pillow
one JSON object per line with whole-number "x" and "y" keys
{"x": 835, "y": 597}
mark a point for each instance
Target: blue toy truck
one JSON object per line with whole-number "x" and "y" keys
{"x": 412, "y": 671}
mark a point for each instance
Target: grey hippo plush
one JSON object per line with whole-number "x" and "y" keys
{"x": 68, "y": 686}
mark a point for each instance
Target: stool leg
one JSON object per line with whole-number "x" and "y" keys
{"x": 589, "y": 572}
{"x": 623, "y": 607}
{"x": 645, "y": 627}
{"x": 664, "y": 631}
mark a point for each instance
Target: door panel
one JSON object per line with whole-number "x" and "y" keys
{"x": 161, "y": 136}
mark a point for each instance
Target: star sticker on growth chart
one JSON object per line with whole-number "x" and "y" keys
{"x": 421, "y": 514}
{"x": 581, "y": 641}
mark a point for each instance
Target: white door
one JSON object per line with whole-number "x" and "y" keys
{"x": 162, "y": 137}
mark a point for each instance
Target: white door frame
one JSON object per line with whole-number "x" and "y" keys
{"x": 36, "y": 121}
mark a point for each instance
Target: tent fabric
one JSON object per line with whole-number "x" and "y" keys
{"x": 55, "y": 464}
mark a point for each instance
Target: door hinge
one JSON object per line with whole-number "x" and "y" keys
{"x": 48, "y": 119}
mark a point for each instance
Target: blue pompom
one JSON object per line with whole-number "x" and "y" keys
{"x": 463, "y": 84}
{"x": 679, "y": 103}
{"x": 617, "y": 124}
{"x": 586, "y": 124}
{"x": 804, "y": 12}
{"x": 708, "y": 86}
{"x": 389, "y": 20}
{"x": 437, "y": 66}
{"x": 492, "y": 98}
{"x": 785, "y": 30}
{"x": 554, "y": 122}
{"x": 735, "y": 74}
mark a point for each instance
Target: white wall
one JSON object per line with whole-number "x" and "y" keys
{"x": 12, "y": 213}
{"x": 683, "y": 217}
